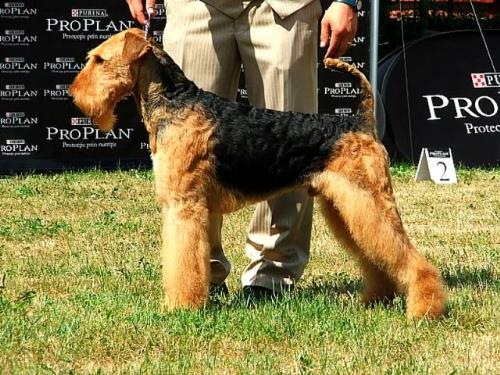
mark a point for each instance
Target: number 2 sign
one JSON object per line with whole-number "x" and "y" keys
{"x": 436, "y": 165}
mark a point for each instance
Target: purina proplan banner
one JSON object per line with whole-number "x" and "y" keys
{"x": 453, "y": 97}
{"x": 43, "y": 45}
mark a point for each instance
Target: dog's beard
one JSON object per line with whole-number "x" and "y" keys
{"x": 105, "y": 122}
{"x": 101, "y": 114}
{"x": 104, "y": 118}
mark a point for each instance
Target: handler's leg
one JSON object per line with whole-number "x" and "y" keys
{"x": 279, "y": 57}
{"x": 200, "y": 39}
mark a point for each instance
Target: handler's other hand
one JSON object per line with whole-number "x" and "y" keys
{"x": 338, "y": 28}
{"x": 137, "y": 9}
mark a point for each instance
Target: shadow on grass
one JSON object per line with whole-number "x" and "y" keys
{"x": 331, "y": 288}
{"x": 328, "y": 289}
{"x": 475, "y": 277}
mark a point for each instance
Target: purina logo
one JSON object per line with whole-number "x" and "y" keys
{"x": 15, "y": 141}
{"x": 17, "y": 120}
{"x": 94, "y": 13}
{"x": 485, "y": 80}
{"x": 17, "y": 38}
{"x": 158, "y": 36}
{"x": 343, "y": 111}
{"x": 17, "y": 64}
{"x": 436, "y": 153}
{"x": 17, "y": 92}
{"x": 86, "y": 25}
{"x": 81, "y": 121}
{"x": 63, "y": 65}
{"x": 65, "y": 59}
{"x": 348, "y": 59}
{"x": 17, "y": 147}
{"x": 16, "y": 10}
{"x": 60, "y": 92}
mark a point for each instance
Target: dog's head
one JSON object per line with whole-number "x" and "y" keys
{"x": 109, "y": 75}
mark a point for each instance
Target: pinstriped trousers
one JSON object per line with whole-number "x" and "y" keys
{"x": 279, "y": 58}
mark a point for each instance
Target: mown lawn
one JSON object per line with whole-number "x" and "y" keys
{"x": 80, "y": 288}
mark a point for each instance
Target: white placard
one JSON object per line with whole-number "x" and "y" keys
{"x": 436, "y": 164}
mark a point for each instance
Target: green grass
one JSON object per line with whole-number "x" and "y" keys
{"x": 80, "y": 288}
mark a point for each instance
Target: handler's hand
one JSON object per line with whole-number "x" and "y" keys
{"x": 137, "y": 9}
{"x": 338, "y": 28}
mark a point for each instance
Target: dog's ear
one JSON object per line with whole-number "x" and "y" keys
{"x": 134, "y": 47}
{"x": 100, "y": 54}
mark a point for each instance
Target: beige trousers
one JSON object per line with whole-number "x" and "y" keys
{"x": 279, "y": 57}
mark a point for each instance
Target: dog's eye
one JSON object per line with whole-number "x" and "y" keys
{"x": 98, "y": 59}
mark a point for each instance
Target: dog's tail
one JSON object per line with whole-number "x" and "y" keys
{"x": 366, "y": 107}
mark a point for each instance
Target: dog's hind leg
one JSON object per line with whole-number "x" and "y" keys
{"x": 185, "y": 254}
{"x": 356, "y": 184}
{"x": 377, "y": 286}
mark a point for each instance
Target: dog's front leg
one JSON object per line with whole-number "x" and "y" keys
{"x": 185, "y": 254}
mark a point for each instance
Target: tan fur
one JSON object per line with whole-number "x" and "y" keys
{"x": 105, "y": 80}
{"x": 182, "y": 189}
{"x": 360, "y": 205}
{"x": 354, "y": 188}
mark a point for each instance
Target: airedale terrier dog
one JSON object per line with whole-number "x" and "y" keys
{"x": 211, "y": 155}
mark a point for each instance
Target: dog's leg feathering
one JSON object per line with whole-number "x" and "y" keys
{"x": 185, "y": 255}
{"x": 356, "y": 188}
{"x": 377, "y": 286}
